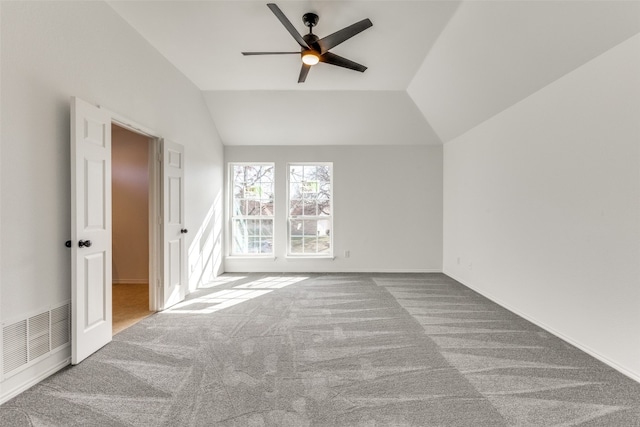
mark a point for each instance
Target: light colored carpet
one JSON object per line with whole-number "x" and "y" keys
{"x": 333, "y": 350}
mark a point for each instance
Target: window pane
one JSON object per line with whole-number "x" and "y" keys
{"x": 239, "y": 227}
{"x": 252, "y": 207}
{"x": 237, "y": 207}
{"x": 295, "y": 190}
{"x": 310, "y": 173}
{"x": 324, "y": 190}
{"x": 324, "y": 245}
{"x": 266, "y": 173}
{"x": 324, "y": 236}
{"x": 266, "y": 190}
{"x": 296, "y": 245}
{"x": 266, "y": 246}
{"x": 241, "y": 206}
{"x": 310, "y": 245}
{"x": 310, "y": 208}
{"x": 252, "y": 191}
{"x": 254, "y": 245}
{"x": 324, "y": 227}
{"x": 295, "y": 174}
{"x": 324, "y": 173}
{"x": 310, "y": 227}
{"x": 295, "y": 207}
{"x": 266, "y": 229}
{"x": 267, "y": 208}
{"x": 309, "y": 188}
{"x": 296, "y": 227}
{"x": 238, "y": 191}
{"x": 239, "y": 236}
{"x": 252, "y": 228}
{"x": 324, "y": 208}
{"x": 238, "y": 173}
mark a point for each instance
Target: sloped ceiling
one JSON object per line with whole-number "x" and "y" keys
{"x": 436, "y": 68}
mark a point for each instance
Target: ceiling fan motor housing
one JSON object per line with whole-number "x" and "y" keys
{"x": 311, "y": 39}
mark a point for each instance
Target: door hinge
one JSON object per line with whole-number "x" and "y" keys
{"x": 159, "y": 157}
{"x": 159, "y": 220}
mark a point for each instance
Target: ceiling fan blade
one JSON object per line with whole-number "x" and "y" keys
{"x": 333, "y": 59}
{"x": 269, "y": 53}
{"x": 303, "y": 73}
{"x": 287, "y": 24}
{"x": 346, "y": 33}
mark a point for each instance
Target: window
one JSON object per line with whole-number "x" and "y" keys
{"x": 310, "y": 209}
{"x": 252, "y": 208}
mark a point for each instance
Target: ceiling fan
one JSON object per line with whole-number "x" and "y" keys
{"x": 314, "y": 49}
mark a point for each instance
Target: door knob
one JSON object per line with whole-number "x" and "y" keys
{"x": 68, "y": 243}
{"x": 84, "y": 243}
{"x": 184, "y": 231}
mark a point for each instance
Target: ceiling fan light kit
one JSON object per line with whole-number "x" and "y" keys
{"x": 310, "y": 57}
{"x": 314, "y": 49}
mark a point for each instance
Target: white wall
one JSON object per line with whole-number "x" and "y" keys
{"x": 542, "y": 207}
{"x": 387, "y": 207}
{"x": 51, "y": 51}
{"x": 130, "y": 206}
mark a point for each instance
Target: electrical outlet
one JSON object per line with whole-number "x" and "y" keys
{"x": 347, "y": 254}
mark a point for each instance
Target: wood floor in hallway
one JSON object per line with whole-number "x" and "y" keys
{"x": 130, "y": 304}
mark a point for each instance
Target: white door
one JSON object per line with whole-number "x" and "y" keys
{"x": 90, "y": 229}
{"x": 174, "y": 231}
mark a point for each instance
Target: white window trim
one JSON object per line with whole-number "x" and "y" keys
{"x": 230, "y": 185}
{"x": 289, "y": 255}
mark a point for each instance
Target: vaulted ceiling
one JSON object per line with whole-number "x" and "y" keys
{"x": 436, "y": 68}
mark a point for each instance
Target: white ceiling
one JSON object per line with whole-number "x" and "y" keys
{"x": 341, "y": 117}
{"x": 436, "y": 68}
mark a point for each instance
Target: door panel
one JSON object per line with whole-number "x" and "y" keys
{"x": 175, "y": 202}
{"x": 90, "y": 229}
{"x": 95, "y": 286}
{"x": 95, "y": 175}
{"x": 175, "y": 274}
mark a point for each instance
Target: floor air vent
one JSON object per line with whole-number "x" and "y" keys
{"x": 26, "y": 340}
{"x": 14, "y": 346}
{"x": 60, "y": 326}
{"x": 39, "y": 334}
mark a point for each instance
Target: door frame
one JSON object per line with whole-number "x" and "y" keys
{"x": 155, "y": 208}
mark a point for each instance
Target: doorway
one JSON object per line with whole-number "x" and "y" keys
{"x": 91, "y": 225}
{"x": 130, "y": 188}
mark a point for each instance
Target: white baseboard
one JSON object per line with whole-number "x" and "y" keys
{"x": 241, "y": 269}
{"x": 26, "y": 379}
{"x": 130, "y": 281}
{"x": 417, "y": 270}
{"x": 633, "y": 375}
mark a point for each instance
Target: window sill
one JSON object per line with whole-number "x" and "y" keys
{"x": 273, "y": 258}
{"x": 251, "y": 257}
{"x": 310, "y": 257}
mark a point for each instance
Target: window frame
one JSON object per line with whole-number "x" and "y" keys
{"x": 233, "y": 217}
{"x": 316, "y": 217}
